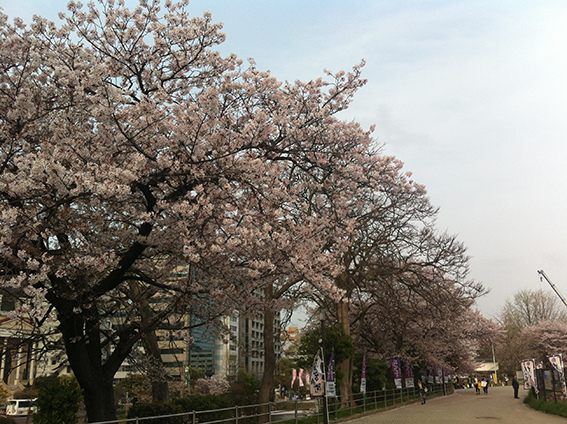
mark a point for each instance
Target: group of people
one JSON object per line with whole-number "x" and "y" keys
{"x": 478, "y": 384}
{"x": 484, "y": 383}
{"x": 481, "y": 384}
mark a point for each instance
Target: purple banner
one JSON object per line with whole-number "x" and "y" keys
{"x": 438, "y": 377}
{"x": 331, "y": 372}
{"x": 330, "y": 383}
{"x": 408, "y": 369}
{"x": 396, "y": 365}
{"x": 408, "y": 374}
{"x": 363, "y": 376}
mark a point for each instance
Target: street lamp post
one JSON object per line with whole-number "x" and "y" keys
{"x": 325, "y": 405}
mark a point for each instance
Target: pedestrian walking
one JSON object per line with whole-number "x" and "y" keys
{"x": 516, "y": 386}
{"x": 422, "y": 390}
{"x": 484, "y": 384}
{"x": 476, "y": 383}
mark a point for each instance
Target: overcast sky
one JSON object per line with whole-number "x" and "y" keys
{"x": 470, "y": 95}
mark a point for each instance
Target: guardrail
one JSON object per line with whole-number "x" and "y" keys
{"x": 291, "y": 412}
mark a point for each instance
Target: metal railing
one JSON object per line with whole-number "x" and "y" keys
{"x": 549, "y": 385}
{"x": 291, "y": 412}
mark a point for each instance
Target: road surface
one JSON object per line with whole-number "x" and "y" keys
{"x": 465, "y": 407}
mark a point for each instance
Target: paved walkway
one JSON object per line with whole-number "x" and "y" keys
{"x": 465, "y": 407}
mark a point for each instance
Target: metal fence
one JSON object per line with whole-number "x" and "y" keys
{"x": 549, "y": 385}
{"x": 291, "y": 412}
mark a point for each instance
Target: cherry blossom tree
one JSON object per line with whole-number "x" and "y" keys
{"x": 129, "y": 148}
{"x": 394, "y": 246}
{"x": 520, "y": 318}
{"x": 212, "y": 386}
{"x": 545, "y": 338}
{"x": 447, "y": 333}
{"x": 381, "y": 176}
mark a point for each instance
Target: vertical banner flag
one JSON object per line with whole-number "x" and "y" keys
{"x": 408, "y": 371}
{"x": 317, "y": 386}
{"x": 437, "y": 371}
{"x": 397, "y": 371}
{"x": 429, "y": 373}
{"x": 293, "y": 377}
{"x": 529, "y": 374}
{"x": 307, "y": 378}
{"x": 300, "y": 377}
{"x": 557, "y": 362}
{"x": 363, "y": 375}
{"x": 330, "y": 382}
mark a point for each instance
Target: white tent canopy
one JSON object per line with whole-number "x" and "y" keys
{"x": 481, "y": 367}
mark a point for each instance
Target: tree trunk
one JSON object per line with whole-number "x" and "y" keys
{"x": 267, "y": 383}
{"x": 157, "y": 373}
{"x": 346, "y": 365}
{"x": 156, "y": 370}
{"x": 99, "y": 400}
{"x": 85, "y": 357}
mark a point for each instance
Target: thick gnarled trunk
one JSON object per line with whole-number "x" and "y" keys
{"x": 85, "y": 358}
{"x": 99, "y": 399}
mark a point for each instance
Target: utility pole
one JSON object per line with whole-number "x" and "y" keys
{"x": 494, "y": 362}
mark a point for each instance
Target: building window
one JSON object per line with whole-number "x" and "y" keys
{"x": 171, "y": 351}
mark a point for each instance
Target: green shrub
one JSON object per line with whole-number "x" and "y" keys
{"x": 550, "y": 407}
{"x": 57, "y": 400}
{"x": 182, "y": 405}
{"x": 134, "y": 386}
{"x": 244, "y": 391}
{"x": 27, "y": 393}
{"x": 206, "y": 403}
{"x": 148, "y": 409}
{"x": 203, "y": 402}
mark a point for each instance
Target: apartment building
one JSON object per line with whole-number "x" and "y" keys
{"x": 240, "y": 348}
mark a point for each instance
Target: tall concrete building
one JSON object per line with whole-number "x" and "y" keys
{"x": 240, "y": 348}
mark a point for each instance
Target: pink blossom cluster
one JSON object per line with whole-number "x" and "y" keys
{"x": 212, "y": 386}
